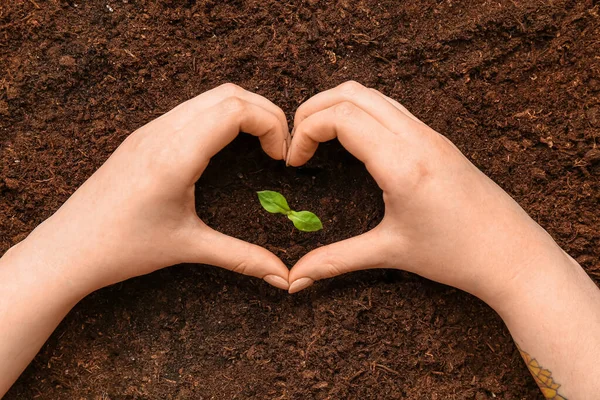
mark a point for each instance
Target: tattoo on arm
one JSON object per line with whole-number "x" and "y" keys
{"x": 542, "y": 377}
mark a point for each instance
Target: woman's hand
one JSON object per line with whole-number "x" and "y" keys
{"x": 136, "y": 214}
{"x": 444, "y": 219}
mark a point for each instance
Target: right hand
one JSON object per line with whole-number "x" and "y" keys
{"x": 444, "y": 219}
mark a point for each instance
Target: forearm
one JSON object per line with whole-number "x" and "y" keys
{"x": 34, "y": 298}
{"x": 553, "y": 314}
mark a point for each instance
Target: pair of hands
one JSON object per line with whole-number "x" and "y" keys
{"x": 444, "y": 219}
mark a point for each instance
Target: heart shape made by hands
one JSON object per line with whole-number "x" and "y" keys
{"x": 427, "y": 186}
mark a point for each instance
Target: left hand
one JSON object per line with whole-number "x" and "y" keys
{"x": 444, "y": 219}
{"x": 136, "y": 214}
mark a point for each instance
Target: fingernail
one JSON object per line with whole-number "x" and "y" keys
{"x": 300, "y": 284}
{"x": 284, "y": 150}
{"x": 277, "y": 281}
{"x": 287, "y": 157}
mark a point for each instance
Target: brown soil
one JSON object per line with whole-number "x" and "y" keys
{"x": 516, "y": 85}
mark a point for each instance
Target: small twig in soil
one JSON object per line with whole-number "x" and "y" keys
{"x": 356, "y": 375}
{"x": 130, "y": 53}
{"x": 388, "y": 369}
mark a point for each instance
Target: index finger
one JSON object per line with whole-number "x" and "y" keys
{"x": 386, "y": 113}
{"x": 362, "y": 135}
{"x": 189, "y": 109}
{"x": 216, "y": 127}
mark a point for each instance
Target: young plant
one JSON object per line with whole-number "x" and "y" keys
{"x": 275, "y": 203}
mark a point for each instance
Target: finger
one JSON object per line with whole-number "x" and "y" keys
{"x": 205, "y": 136}
{"x": 397, "y": 105}
{"x": 215, "y": 96}
{"x": 362, "y": 135}
{"x": 408, "y": 113}
{"x": 367, "y": 251}
{"x": 207, "y": 246}
{"x": 381, "y": 109}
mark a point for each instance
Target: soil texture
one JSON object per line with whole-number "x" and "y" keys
{"x": 514, "y": 84}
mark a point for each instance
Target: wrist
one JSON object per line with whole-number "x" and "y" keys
{"x": 36, "y": 295}
{"x": 45, "y": 261}
{"x": 510, "y": 254}
{"x": 535, "y": 278}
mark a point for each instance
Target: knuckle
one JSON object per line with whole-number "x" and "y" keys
{"x": 274, "y": 125}
{"x": 300, "y": 115}
{"x": 420, "y": 172}
{"x": 334, "y": 268}
{"x": 281, "y": 115}
{"x": 351, "y": 88}
{"x": 299, "y": 131}
{"x": 401, "y": 176}
{"x": 230, "y": 89}
{"x": 413, "y": 177}
{"x": 332, "y": 263}
{"x": 240, "y": 268}
{"x": 344, "y": 109}
{"x": 233, "y": 104}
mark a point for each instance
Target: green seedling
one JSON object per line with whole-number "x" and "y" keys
{"x": 275, "y": 203}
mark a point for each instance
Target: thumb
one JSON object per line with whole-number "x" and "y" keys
{"x": 367, "y": 251}
{"x": 207, "y": 246}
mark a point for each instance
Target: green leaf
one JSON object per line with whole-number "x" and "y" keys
{"x": 273, "y": 202}
{"x": 305, "y": 221}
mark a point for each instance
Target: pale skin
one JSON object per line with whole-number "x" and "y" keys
{"x": 444, "y": 220}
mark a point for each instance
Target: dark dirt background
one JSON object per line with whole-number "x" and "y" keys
{"x": 516, "y": 85}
